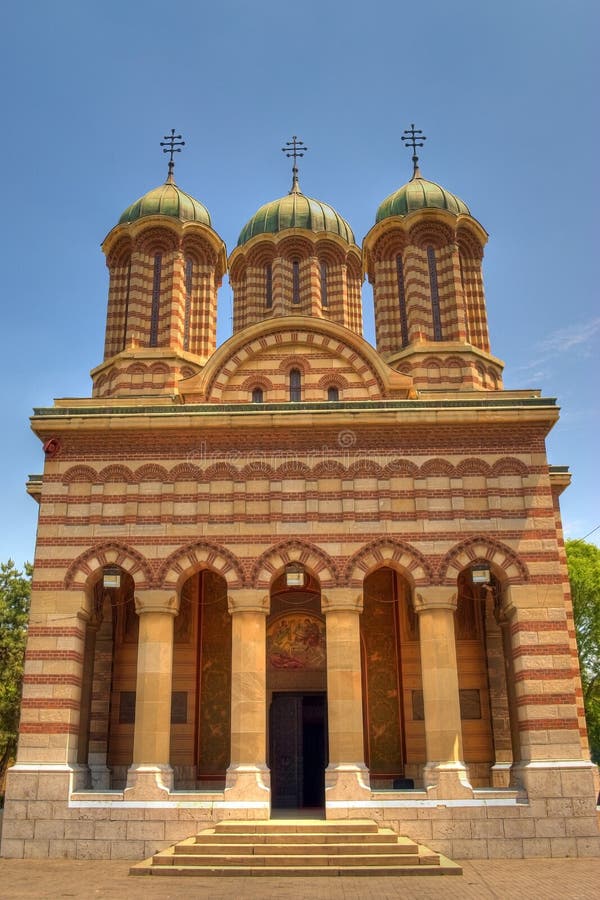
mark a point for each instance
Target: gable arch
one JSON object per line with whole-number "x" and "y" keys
{"x": 88, "y": 564}
{"x": 482, "y": 549}
{"x": 272, "y": 337}
{"x": 197, "y": 555}
{"x": 274, "y": 560}
{"x": 387, "y": 552}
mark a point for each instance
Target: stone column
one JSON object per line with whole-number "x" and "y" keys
{"x": 346, "y": 776}
{"x": 248, "y": 783}
{"x": 445, "y": 774}
{"x": 150, "y": 777}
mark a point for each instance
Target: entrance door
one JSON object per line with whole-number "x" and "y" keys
{"x": 298, "y": 750}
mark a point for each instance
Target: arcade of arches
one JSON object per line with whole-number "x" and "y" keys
{"x": 398, "y": 717}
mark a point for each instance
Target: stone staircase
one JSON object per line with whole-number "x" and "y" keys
{"x": 299, "y": 847}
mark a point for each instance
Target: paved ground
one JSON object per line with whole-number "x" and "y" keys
{"x": 567, "y": 879}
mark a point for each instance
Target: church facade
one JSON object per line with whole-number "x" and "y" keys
{"x": 297, "y": 571}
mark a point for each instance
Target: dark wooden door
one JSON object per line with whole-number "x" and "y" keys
{"x": 298, "y": 750}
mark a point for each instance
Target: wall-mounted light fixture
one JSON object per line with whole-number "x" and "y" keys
{"x": 295, "y": 576}
{"x": 480, "y": 573}
{"x": 111, "y": 577}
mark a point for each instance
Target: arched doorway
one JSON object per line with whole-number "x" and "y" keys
{"x": 296, "y": 691}
{"x": 201, "y": 688}
{"x": 394, "y": 726}
{"x": 109, "y": 683}
{"x": 487, "y": 718}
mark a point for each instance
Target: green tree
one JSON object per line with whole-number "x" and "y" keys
{"x": 15, "y": 590}
{"x": 584, "y": 575}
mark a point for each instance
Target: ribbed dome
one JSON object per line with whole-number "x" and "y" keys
{"x": 420, "y": 194}
{"x": 295, "y": 210}
{"x": 167, "y": 200}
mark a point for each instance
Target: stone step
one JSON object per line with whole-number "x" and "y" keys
{"x": 385, "y": 835}
{"x": 296, "y": 826}
{"x": 446, "y": 867}
{"x": 331, "y": 847}
{"x": 321, "y": 860}
{"x": 300, "y": 848}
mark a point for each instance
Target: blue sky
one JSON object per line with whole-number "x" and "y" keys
{"x": 506, "y": 93}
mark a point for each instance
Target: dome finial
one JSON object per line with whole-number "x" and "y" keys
{"x": 172, "y": 144}
{"x": 294, "y": 148}
{"x": 409, "y": 136}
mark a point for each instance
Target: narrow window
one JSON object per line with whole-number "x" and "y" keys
{"x": 333, "y": 394}
{"x": 155, "y": 312}
{"x": 295, "y": 386}
{"x": 126, "y": 310}
{"x": 324, "y": 300}
{"x": 402, "y": 301}
{"x": 295, "y": 281}
{"x": 257, "y": 395}
{"x": 435, "y": 297}
{"x": 269, "y": 286}
{"x": 189, "y": 276}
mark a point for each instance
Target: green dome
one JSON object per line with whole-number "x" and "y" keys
{"x": 420, "y": 194}
{"x": 167, "y": 200}
{"x": 295, "y": 210}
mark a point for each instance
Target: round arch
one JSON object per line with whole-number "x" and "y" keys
{"x": 273, "y": 561}
{"x": 88, "y": 564}
{"x": 508, "y": 564}
{"x": 185, "y": 561}
{"x": 386, "y": 552}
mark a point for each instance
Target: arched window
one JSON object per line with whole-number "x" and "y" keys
{"x": 126, "y": 305}
{"x": 155, "y": 311}
{"x": 435, "y": 296}
{"x": 257, "y": 395}
{"x": 333, "y": 394}
{"x": 295, "y": 281}
{"x": 295, "y": 386}
{"x": 324, "y": 300}
{"x": 269, "y": 286}
{"x": 189, "y": 280}
{"x": 402, "y": 301}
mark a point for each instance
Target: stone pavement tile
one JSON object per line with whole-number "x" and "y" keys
{"x": 539, "y": 879}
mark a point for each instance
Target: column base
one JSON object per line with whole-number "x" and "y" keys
{"x": 501, "y": 775}
{"x": 100, "y": 778}
{"x": 346, "y": 785}
{"x": 447, "y": 781}
{"x": 247, "y": 791}
{"x": 148, "y": 782}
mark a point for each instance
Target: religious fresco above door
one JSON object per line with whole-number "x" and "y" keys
{"x": 296, "y": 641}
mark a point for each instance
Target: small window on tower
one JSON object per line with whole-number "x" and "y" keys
{"x": 295, "y": 281}
{"x": 257, "y": 395}
{"x": 269, "y": 286}
{"x": 333, "y": 394}
{"x": 295, "y": 386}
{"x": 324, "y": 300}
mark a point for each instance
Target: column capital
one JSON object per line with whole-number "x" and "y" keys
{"x": 435, "y": 597}
{"x": 342, "y": 599}
{"x": 156, "y": 601}
{"x": 248, "y": 600}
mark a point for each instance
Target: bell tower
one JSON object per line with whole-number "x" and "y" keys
{"x": 424, "y": 257}
{"x": 165, "y": 265}
{"x": 296, "y": 256}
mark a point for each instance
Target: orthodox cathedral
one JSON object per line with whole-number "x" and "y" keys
{"x": 297, "y": 574}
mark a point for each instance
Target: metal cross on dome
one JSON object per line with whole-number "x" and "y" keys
{"x": 414, "y": 137}
{"x": 172, "y": 144}
{"x": 295, "y": 148}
